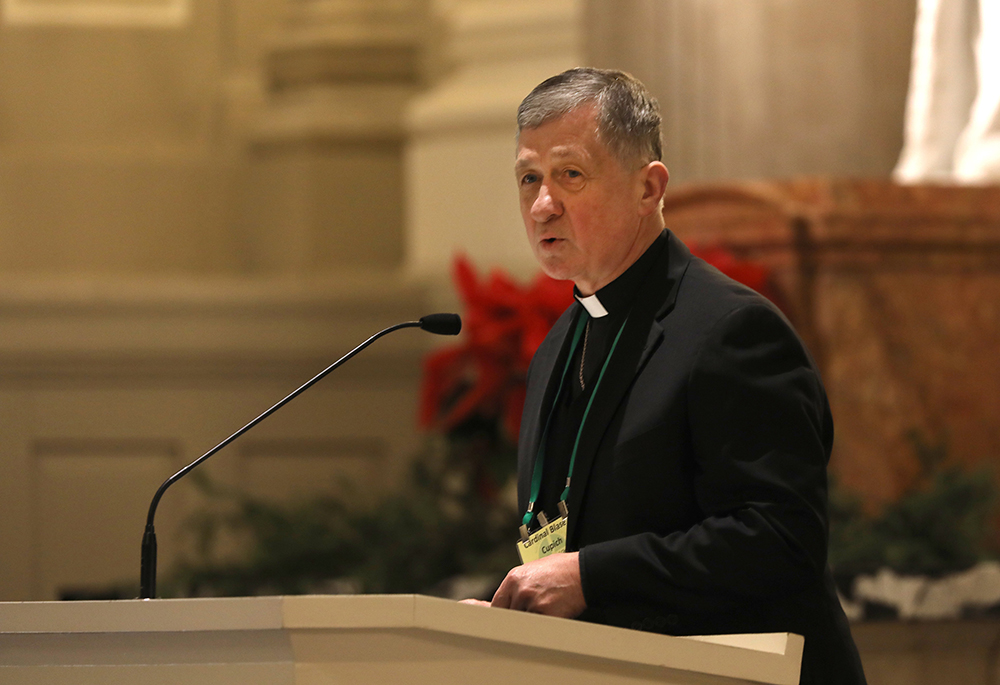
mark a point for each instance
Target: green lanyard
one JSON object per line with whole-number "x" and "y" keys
{"x": 536, "y": 477}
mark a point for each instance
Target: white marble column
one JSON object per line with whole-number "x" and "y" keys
{"x": 977, "y": 153}
{"x": 461, "y": 196}
{"x": 942, "y": 88}
{"x": 953, "y": 107}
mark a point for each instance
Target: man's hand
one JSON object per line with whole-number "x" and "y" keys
{"x": 550, "y": 586}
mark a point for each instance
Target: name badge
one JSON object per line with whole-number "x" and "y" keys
{"x": 549, "y": 539}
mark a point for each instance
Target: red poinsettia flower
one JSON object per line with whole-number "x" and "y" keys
{"x": 504, "y": 324}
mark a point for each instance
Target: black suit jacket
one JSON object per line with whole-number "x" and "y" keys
{"x": 698, "y": 500}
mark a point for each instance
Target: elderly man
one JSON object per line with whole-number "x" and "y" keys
{"x": 675, "y": 428}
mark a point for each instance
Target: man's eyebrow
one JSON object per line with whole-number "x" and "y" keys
{"x": 560, "y": 153}
{"x": 563, "y": 151}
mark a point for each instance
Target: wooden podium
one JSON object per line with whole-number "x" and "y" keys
{"x": 314, "y": 640}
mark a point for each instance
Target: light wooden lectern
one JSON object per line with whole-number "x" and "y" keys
{"x": 314, "y": 640}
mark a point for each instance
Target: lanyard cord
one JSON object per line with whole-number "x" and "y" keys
{"x": 536, "y": 477}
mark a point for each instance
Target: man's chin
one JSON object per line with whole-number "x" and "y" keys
{"x": 557, "y": 273}
{"x": 554, "y": 266}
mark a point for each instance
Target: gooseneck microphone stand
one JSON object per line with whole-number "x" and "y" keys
{"x": 440, "y": 324}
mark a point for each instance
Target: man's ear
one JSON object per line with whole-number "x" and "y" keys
{"x": 654, "y": 178}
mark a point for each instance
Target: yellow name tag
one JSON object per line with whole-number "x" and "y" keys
{"x": 549, "y": 539}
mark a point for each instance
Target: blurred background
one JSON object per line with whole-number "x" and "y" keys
{"x": 205, "y": 202}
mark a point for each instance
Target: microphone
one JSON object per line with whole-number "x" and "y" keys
{"x": 442, "y": 324}
{"x": 439, "y": 324}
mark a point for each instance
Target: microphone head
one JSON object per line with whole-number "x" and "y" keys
{"x": 442, "y": 324}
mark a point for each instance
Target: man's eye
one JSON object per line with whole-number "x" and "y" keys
{"x": 573, "y": 173}
{"x": 528, "y": 179}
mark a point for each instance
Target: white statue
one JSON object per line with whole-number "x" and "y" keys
{"x": 952, "y": 132}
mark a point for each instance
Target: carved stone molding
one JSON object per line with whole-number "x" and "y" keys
{"x": 87, "y": 331}
{"x": 324, "y": 188}
{"x": 342, "y": 70}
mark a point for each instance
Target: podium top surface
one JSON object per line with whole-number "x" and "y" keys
{"x": 764, "y": 658}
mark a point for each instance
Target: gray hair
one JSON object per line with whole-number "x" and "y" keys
{"x": 628, "y": 117}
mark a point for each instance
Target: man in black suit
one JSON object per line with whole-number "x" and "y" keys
{"x": 674, "y": 412}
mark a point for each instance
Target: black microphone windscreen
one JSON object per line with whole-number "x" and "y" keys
{"x": 442, "y": 324}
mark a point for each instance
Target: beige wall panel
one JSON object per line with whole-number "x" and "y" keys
{"x": 94, "y": 465}
{"x": 97, "y": 456}
{"x": 90, "y": 502}
{"x": 296, "y": 469}
{"x": 115, "y": 215}
{"x": 342, "y": 432}
{"x": 358, "y": 418}
{"x": 360, "y": 207}
{"x": 324, "y": 208}
{"x": 89, "y": 87}
{"x": 112, "y": 147}
{"x": 15, "y": 496}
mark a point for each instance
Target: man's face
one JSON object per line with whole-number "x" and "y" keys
{"x": 579, "y": 205}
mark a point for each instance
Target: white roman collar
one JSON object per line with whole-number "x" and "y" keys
{"x": 593, "y": 306}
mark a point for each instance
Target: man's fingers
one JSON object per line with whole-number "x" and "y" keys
{"x": 502, "y": 598}
{"x": 474, "y": 602}
{"x": 515, "y": 591}
{"x": 519, "y": 590}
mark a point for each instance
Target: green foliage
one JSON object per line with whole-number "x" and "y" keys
{"x": 448, "y": 520}
{"x": 942, "y": 525}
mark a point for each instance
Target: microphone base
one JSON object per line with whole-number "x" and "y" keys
{"x": 147, "y": 574}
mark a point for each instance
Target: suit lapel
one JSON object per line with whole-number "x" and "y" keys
{"x": 641, "y": 336}
{"x": 677, "y": 258}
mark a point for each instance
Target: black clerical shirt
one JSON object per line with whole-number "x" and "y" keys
{"x": 617, "y": 298}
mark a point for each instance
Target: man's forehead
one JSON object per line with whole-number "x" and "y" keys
{"x": 527, "y": 155}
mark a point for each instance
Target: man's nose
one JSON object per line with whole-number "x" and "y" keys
{"x": 545, "y": 206}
